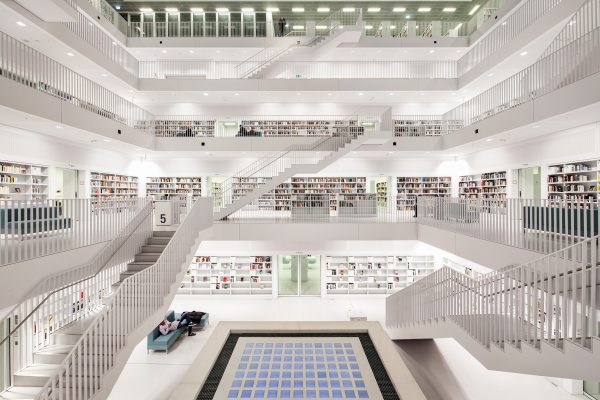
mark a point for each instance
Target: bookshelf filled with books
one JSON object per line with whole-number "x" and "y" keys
{"x": 20, "y": 181}
{"x": 410, "y": 187}
{"x": 424, "y": 126}
{"x": 166, "y": 187}
{"x": 374, "y": 274}
{"x": 313, "y": 127}
{"x": 179, "y": 127}
{"x": 228, "y": 275}
{"x": 577, "y": 182}
{"x": 112, "y": 186}
{"x": 488, "y": 185}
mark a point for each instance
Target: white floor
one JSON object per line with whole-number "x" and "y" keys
{"x": 154, "y": 376}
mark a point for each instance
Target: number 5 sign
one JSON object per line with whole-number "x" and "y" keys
{"x": 163, "y": 213}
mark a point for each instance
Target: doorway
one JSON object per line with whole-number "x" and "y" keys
{"x": 530, "y": 183}
{"x": 66, "y": 182}
{"x": 299, "y": 275}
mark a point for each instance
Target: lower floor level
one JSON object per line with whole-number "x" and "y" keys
{"x": 453, "y": 374}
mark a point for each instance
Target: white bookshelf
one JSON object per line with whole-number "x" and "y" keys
{"x": 20, "y": 181}
{"x": 574, "y": 182}
{"x": 158, "y": 187}
{"x": 228, "y": 275}
{"x": 110, "y": 186}
{"x": 374, "y": 274}
{"x": 179, "y": 127}
{"x": 412, "y": 126}
{"x": 313, "y": 127}
{"x": 409, "y": 187}
{"x": 333, "y": 186}
{"x": 488, "y": 185}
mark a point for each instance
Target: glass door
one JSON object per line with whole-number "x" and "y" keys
{"x": 299, "y": 275}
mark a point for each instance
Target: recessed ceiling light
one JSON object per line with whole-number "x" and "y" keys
{"x": 197, "y": 10}
{"x": 20, "y": 23}
{"x": 424, "y": 9}
{"x": 399, "y": 9}
{"x": 378, "y": 51}
{"x": 146, "y": 9}
{"x": 138, "y": 149}
{"x": 323, "y": 9}
{"x": 117, "y": 7}
{"x": 474, "y": 10}
{"x": 489, "y": 140}
{"x": 328, "y": 94}
{"x": 490, "y": 75}
{"x": 368, "y": 26}
{"x": 458, "y": 51}
{"x": 218, "y": 51}
{"x": 321, "y": 27}
{"x": 222, "y": 9}
{"x": 354, "y": 152}
{"x": 349, "y": 9}
{"x": 171, "y": 9}
{"x": 298, "y": 9}
{"x": 361, "y": 94}
{"x": 107, "y": 140}
{"x": 103, "y": 75}
{"x": 130, "y": 90}
{"x": 272, "y": 9}
{"x": 536, "y": 126}
{"x": 298, "y": 94}
{"x": 205, "y": 94}
{"x": 248, "y": 10}
{"x": 391, "y": 94}
{"x": 237, "y": 94}
{"x": 431, "y": 51}
{"x": 524, "y": 53}
{"x": 449, "y": 9}
{"x": 373, "y": 9}
{"x": 392, "y": 26}
{"x": 58, "y": 127}
{"x": 191, "y": 51}
{"x": 70, "y": 54}
{"x": 422, "y": 94}
{"x": 298, "y": 27}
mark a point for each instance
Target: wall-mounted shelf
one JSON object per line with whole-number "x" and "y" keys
{"x": 20, "y": 181}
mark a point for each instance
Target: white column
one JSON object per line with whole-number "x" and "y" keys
{"x": 385, "y": 28}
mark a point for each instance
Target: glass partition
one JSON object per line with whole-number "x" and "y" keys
{"x": 299, "y": 275}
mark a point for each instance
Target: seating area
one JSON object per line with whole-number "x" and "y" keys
{"x": 158, "y": 341}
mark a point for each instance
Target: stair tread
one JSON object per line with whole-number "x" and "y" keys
{"x": 39, "y": 370}
{"x": 21, "y": 392}
{"x": 56, "y": 349}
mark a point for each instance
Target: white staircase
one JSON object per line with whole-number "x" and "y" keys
{"x": 538, "y": 318}
{"x": 269, "y": 172}
{"x": 329, "y": 29}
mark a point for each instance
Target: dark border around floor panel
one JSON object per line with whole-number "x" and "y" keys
{"x": 216, "y": 373}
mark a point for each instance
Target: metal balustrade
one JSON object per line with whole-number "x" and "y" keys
{"x": 26, "y": 66}
{"x": 549, "y": 74}
{"x": 137, "y": 299}
{"x": 68, "y": 296}
{"x": 108, "y": 12}
{"x": 208, "y": 69}
{"x": 423, "y": 125}
{"x": 518, "y": 21}
{"x": 550, "y": 300}
{"x": 104, "y": 43}
{"x": 35, "y": 228}
{"x": 543, "y": 226}
{"x": 283, "y": 206}
{"x": 196, "y": 29}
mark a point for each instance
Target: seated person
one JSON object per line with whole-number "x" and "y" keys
{"x": 193, "y": 316}
{"x": 167, "y": 326}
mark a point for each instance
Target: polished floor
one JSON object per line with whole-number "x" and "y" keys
{"x": 154, "y": 376}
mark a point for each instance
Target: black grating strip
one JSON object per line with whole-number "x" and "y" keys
{"x": 381, "y": 376}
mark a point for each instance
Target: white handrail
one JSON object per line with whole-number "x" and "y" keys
{"x": 551, "y": 300}
{"x": 137, "y": 298}
{"x": 70, "y": 295}
{"x": 37, "y": 228}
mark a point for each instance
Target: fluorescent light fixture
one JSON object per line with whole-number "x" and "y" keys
{"x": 222, "y": 9}
{"x": 21, "y": 23}
{"x": 323, "y": 9}
{"x": 449, "y": 9}
{"x": 298, "y": 9}
{"x": 424, "y": 9}
{"x": 229, "y": 124}
{"x": 197, "y": 10}
{"x": 349, "y": 9}
{"x": 171, "y": 10}
{"x": 146, "y": 9}
{"x": 272, "y": 9}
{"x": 298, "y": 27}
{"x": 368, "y": 124}
{"x": 458, "y": 26}
{"x": 373, "y": 9}
{"x": 474, "y": 10}
{"x": 248, "y": 10}
{"x": 368, "y": 26}
{"x": 399, "y": 9}
{"x": 392, "y": 26}
{"x": 321, "y": 27}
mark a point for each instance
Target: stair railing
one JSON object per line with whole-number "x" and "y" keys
{"x": 73, "y": 294}
{"x": 261, "y": 171}
{"x": 552, "y": 299}
{"x": 137, "y": 299}
{"x": 335, "y": 21}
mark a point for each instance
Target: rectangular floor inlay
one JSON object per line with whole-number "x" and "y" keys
{"x": 298, "y": 368}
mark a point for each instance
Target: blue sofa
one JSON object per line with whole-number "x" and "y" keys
{"x": 158, "y": 341}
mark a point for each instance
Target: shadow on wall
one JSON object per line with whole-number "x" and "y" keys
{"x": 430, "y": 369}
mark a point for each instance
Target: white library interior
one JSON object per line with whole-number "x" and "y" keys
{"x": 386, "y": 199}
